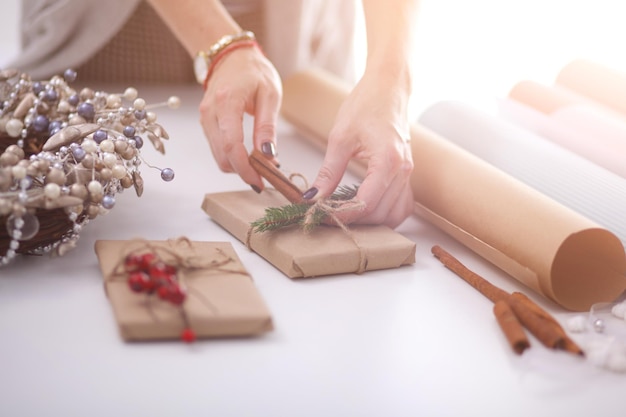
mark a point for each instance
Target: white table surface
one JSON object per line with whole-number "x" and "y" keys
{"x": 414, "y": 341}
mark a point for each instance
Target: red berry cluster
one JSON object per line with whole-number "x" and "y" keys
{"x": 148, "y": 274}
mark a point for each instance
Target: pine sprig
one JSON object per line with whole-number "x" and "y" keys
{"x": 294, "y": 214}
{"x": 278, "y": 217}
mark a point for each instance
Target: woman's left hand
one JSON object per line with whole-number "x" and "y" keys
{"x": 372, "y": 125}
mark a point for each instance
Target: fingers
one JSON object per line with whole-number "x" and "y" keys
{"x": 232, "y": 93}
{"x": 387, "y": 195}
{"x": 265, "y": 120}
{"x": 385, "y": 190}
{"x": 332, "y": 170}
{"x": 223, "y": 125}
{"x": 393, "y": 210}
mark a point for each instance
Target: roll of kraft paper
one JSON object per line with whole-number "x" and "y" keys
{"x": 598, "y": 82}
{"x": 585, "y": 130}
{"x": 569, "y": 179}
{"x": 550, "y": 248}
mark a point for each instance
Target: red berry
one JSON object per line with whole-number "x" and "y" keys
{"x": 159, "y": 272}
{"x": 188, "y": 336}
{"x": 149, "y": 286}
{"x": 139, "y": 282}
{"x": 177, "y": 295}
{"x": 163, "y": 292}
{"x": 146, "y": 260}
{"x": 157, "y": 269}
{"x": 169, "y": 269}
{"x": 131, "y": 263}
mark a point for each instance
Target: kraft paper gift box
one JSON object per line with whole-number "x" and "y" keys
{"x": 326, "y": 250}
{"x": 222, "y": 299}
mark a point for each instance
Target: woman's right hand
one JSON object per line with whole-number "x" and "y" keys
{"x": 243, "y": 81}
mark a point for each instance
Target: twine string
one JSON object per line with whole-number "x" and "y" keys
{"x": 334, "y": 207}
{"x": 178, "y": 258}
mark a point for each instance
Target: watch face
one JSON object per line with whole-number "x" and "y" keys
{"x": 200, "y": 67}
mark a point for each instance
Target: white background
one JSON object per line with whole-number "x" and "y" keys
{"x": 476, "y": 50}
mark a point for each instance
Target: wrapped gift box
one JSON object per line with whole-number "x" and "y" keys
{"x": 325, "y": 250}
{"x": 222, "y": 299}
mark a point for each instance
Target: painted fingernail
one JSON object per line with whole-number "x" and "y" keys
{"x": 255, "y": 188}
{"x": 310, "y": 193}
{"x": 268, "y": 149}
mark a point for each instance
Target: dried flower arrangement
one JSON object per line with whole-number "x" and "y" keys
{"x": 64, "y": 155}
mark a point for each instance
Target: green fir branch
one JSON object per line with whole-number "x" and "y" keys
{"x": 294, "y": 214}
{"x": 278, "y": 217}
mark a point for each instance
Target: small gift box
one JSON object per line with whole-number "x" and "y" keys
{"x": 325, "y": 250}
{"x": 219, "y": 296}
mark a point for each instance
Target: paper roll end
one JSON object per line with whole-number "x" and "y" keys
{"x": 589, "y": 267}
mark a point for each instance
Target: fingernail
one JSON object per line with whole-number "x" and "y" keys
{"x": 255, "y": 188}
{"x": 310, "y": 193}
{"x": 268, "y": 149}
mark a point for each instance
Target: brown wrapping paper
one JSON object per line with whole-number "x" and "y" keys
{"x": 553, "y": 250}
{"x": 219, "y": 304}
{"x": 324, "y": 251}
{"x": 599, "y": 83}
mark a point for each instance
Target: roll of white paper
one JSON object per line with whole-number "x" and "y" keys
{"x": 585, "y": 130}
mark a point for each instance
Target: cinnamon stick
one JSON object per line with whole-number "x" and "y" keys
{"x": 274, "y": 176}
{"x": 483, "y": 286}
{"x": 569, "y": 344}
{"x": 511, "y": 327}
{"x": 542, "y": 329}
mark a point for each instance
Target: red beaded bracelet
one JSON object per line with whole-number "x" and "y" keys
{"x": 217, "y": 58}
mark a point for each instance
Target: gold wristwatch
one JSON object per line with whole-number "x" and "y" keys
{"x": 202, "y": 61}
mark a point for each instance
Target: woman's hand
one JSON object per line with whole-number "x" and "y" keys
{"x": 244, "y": 81}
{"x": 372, "y": 125}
